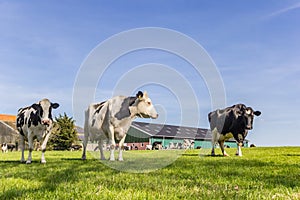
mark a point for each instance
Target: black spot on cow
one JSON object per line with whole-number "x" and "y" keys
{"x": 35, "y": 116}
{"x": 98, "y": 107}
{"x": 21, "y": 119}
{"x": 124, "y": 111}
{"x": 93, "y": 122}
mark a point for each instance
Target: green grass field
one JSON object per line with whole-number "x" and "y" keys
{"x": 262, "y": 173}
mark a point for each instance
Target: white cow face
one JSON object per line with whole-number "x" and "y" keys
{"x": 46, "y": 111}
{"x": 145, "y": 107}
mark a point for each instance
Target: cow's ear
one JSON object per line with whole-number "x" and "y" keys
{"x": 54, "y": 105}
{"x": 139, "y": 95}
{"x": 257, "y": 113}
{"x": 145, "y": 95}
{"x": 248, "y": 111}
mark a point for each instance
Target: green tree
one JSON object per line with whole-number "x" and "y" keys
{"x": 64, "y": 133}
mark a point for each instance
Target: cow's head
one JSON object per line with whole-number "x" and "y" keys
{"x": 245, "y": 116}
{"x": 145, "y": 108}
{"x": 44, "y": 110}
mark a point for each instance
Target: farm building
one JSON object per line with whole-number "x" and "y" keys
{"x": 8, "y": 132}
{"x": 142, "y": 134}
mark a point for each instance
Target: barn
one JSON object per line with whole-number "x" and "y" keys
{"x": 8, "y": 132}
{"x": 142, "y": 134}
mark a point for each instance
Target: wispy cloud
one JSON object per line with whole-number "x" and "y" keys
{"x": 284, "y": 10}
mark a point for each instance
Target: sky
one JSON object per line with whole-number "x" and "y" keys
{"x": 251, "y": 47}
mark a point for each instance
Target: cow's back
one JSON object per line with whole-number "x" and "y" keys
{"x": 99, "y": 117}
{"x": 95, "y": 117}
{"x": 222, "y": 120}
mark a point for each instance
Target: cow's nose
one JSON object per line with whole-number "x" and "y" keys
{"x": 156, "y": 116}
{"x": 46, "y": 121}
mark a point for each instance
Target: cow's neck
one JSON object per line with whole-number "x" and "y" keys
{"x": 133, "y": 111}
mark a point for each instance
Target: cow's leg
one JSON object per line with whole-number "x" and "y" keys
{"x": 214, "y": 140}
{"x": 22, "y": 144}
{"x": 213, "y": 143}
{"x": 111, "y": 141}
{"x": 121, "y": 148}
{"x": 44, "y": 145}
{"x": 100, "y": 146}
{"x": 239, "y": 149}
{"x": 83, "y": 157}
{"x": 85, "y": 141}
{"x": 221, "y": 143}
{"x": 30, "y": 148}
{"x": 86, "y": 135}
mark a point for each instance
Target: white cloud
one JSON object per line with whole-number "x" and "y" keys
{"x": 284, "y": 10}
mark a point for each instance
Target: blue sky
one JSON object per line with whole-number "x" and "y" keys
{"x": 255, "y": 46}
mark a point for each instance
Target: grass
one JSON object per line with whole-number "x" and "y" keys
{"x": 262, "y": 173}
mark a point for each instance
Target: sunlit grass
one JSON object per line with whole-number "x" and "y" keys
{"x": 262, "y": 173}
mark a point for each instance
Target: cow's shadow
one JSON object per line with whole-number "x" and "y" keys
{"x": 201, "y": 155}
{"x": 71, "y": 159}
{"x": 209, "y": 155}
{"x": 11, "y": 161}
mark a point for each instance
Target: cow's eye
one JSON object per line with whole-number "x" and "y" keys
{"x": 149, "y": 103}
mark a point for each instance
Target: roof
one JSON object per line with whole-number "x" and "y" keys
{"x": 8, "y": 118}
{"x": 79, "y": 129}
{"x": 172, "y": 131}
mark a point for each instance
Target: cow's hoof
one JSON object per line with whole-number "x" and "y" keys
{"x": 43, "y": 161}
{"x": 121, "y": 159}
{"x": 83, "y": 158}
{"x": 226, "y": 155}
{"x": 28, "y": 162}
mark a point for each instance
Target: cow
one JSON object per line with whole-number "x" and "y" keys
{"x": 231, "y": 122}
{"x": 5, "y": 147}
{"x": 188, "y": 144}
{"x": 148, "y": 147}
{"x": 111, "y": 119}
{"x": 35, "y": 121}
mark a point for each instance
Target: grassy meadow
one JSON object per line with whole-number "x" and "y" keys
{"x": 262, "y": 173}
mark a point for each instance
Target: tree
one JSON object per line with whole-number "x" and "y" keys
{"x": 64, "y": 133}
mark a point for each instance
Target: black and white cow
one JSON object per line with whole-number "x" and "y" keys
{"x": 234, "y": 121}
{"x": 6, "y": 147}
{"x": 111, "y": 120}
{"x": 35, "y": 120}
